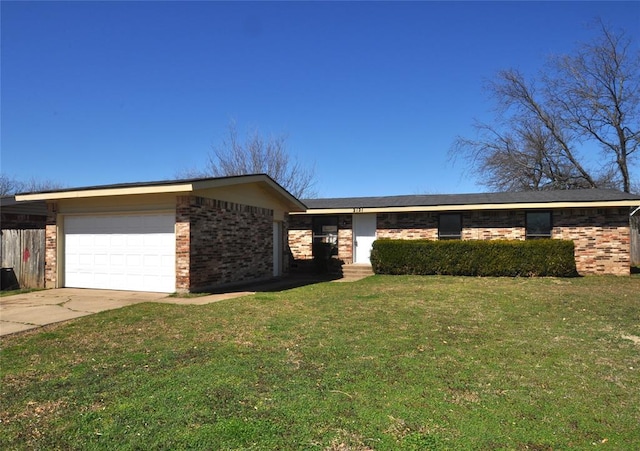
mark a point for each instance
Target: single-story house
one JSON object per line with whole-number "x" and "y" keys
{"x": 179, "y": 235}
{"x": 596, "y": 220}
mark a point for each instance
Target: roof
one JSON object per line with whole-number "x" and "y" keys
{"x": 166, "y": 186}
{"x": 502, "y": 200}
{"x": 9, "y": 205}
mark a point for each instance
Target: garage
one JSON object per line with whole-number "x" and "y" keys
{"x": 120, "y": 252}
{"x": 168, "y": 236}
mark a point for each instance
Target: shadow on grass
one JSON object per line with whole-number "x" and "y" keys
{"x": 280, "y": 284}
{"x": 302, "y": 273}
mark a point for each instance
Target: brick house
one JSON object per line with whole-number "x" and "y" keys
{"x": 597, "y": 221}
{"x": 179, "y": 235}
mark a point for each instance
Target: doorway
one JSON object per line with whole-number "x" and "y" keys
{"x": 364, "y": 234}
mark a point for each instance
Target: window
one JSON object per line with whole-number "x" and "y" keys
{"x": 538, "y": 224}
{"x": 450, "y": 226}
{"x": 325, "y": 230}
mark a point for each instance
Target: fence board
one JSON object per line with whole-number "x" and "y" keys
{"x": 23, "y": 251}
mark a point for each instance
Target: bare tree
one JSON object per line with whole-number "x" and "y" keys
{"x": 256, "y": 154}
{"x": 10, "y": 185}
{"x": 590, "y": 97}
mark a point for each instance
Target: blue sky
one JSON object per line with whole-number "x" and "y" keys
{"x": 372, "y": 94}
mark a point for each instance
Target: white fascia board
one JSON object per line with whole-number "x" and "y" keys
{"x": 104, "y": 192}
{"x": 473, "y": 207}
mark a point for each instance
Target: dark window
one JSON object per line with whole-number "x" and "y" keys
{"x": 450, "y": 226}
{"x": 538, "y": 224}
{"x": 325, "y": 230}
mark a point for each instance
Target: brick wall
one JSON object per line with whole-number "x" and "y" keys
{"x": 408, "y": 226}
{"x": 493, "y": 225}
{"x": 601, "y": 236}
{"x": 300, "y": 236}
{"x": 51, "y": 247}
{"x": 183, "y": 243}
{"x": 228, "y": 243}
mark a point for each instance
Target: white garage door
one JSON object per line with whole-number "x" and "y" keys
{"x": 120, "y": 252}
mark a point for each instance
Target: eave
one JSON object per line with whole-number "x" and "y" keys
{"x": 472, "y": 207}
{"x": 168, "y": 187}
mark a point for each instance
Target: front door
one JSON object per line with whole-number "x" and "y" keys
{"x": 364, "y": 234}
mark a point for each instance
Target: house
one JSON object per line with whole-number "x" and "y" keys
{"x": 167, "y": 236}
{"x": 596, "y": 220}
{"x": 22, "y": 243}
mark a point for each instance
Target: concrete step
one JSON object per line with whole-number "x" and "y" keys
{"x": 357, "y": 270}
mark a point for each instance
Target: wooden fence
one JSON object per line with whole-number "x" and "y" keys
{"x": 22, "y": 253}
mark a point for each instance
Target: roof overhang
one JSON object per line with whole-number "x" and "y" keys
{"x": 473, "y": 207}
{"x": 168, "y": 187}
{"x": 105, "y": 192}
{"x": 8, "y": 204}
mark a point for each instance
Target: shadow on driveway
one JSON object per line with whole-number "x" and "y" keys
{"x": 26, "y": 311}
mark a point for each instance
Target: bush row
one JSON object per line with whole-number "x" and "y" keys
{"x": 475, "y": 258}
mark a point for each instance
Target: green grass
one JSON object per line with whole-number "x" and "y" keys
{"x": 386, "y": 363}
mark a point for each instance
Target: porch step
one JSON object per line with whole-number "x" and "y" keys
{"x": 356, "y": 270}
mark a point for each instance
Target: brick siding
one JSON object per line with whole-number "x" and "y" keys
{"x": 228, "y": 243}
{"x": 51, "y": 247}
{"x": 601, "y": 236}
{"x": 183, "y": 243}
{"x": 300, "y": 237}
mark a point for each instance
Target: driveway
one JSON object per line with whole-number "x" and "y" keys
{"x": 31, "y": 310}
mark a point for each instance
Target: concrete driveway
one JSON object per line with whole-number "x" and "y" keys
{"x": 31, "y": 310}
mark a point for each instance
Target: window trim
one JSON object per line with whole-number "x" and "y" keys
{"x": 442, "y": 236}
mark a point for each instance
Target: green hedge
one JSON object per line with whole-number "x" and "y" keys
{"x": 474, "y": 258}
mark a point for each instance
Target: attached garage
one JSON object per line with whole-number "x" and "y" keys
{"x": 122, "y": 252}
{"x": 167, "y": 236}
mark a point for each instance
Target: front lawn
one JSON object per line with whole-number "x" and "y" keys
{"x": 389, "y": 362}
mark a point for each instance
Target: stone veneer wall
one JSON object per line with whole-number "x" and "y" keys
{"x": 228, "y": 243}
{"x": 51, "y": 247}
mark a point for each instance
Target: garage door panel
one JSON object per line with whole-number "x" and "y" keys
{"x": 114, "y": 252}
{"x": 117, "y": 260}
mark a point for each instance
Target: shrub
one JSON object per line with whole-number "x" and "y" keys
{"x": 474, "y": 258}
